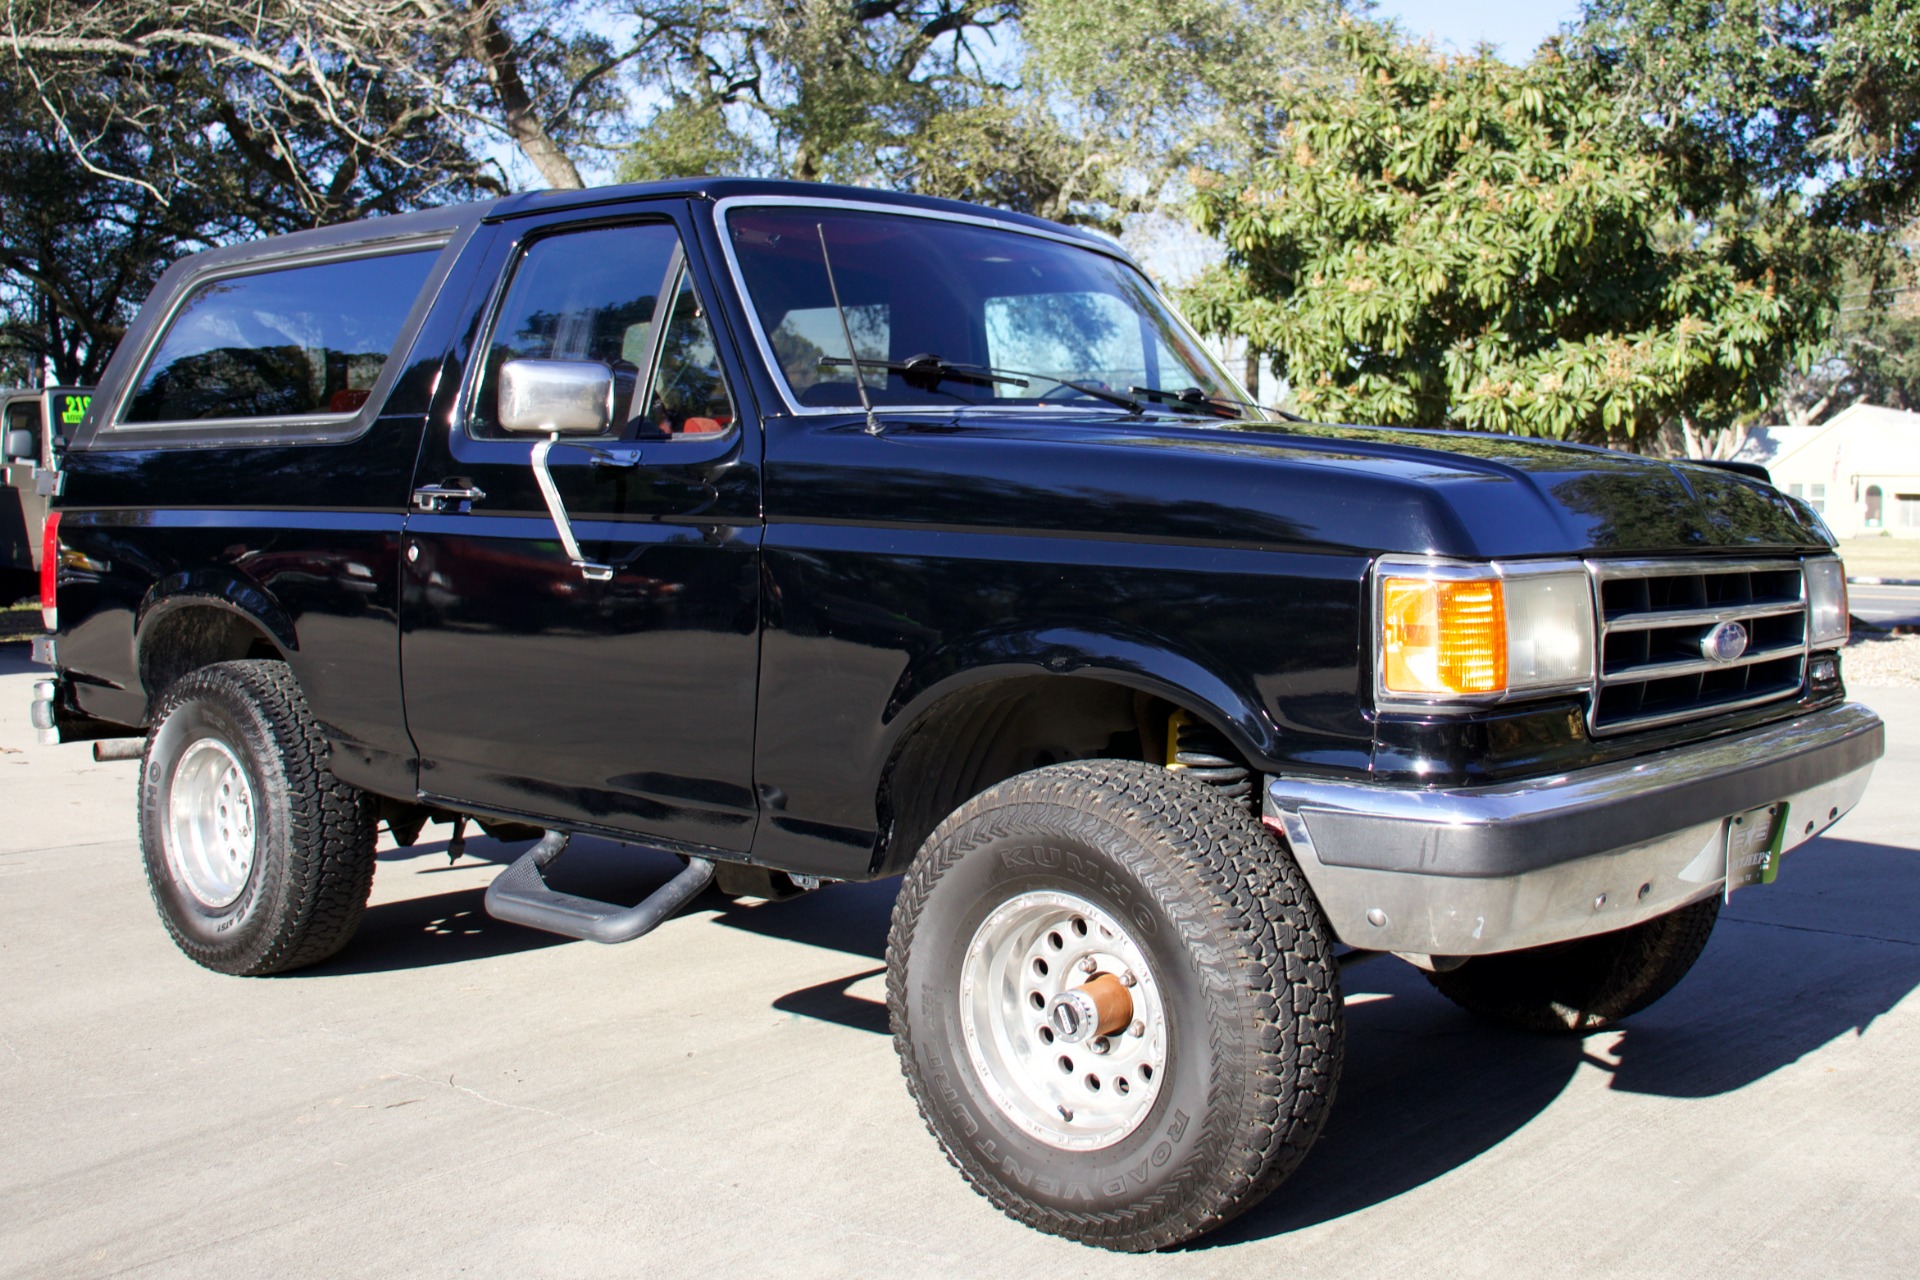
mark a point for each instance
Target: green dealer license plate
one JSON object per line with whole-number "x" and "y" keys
{"x": 1753, "y": 845}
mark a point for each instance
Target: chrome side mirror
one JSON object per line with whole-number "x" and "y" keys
{"x": 20, "y": 446}
{"x": 542, "y": 397}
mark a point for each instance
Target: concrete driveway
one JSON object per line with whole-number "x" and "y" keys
{"x": 458, "y": 1096}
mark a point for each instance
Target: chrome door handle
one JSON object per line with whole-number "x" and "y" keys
{"x": 441, "y": 497}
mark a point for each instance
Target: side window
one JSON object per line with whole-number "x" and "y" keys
{"x": 581, "y": 295}
{"x": 24, "y": 415}
{"x": 297, "y": 342}
{"x": 689, "y": 391}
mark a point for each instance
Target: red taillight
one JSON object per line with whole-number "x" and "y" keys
{"x": 50, "y": 573}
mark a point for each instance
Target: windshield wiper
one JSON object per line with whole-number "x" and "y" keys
{"x": 1200, "y": 399}
{"x": 930, "y": 371}
{"x": 1086, "y": 389}
{"x": 927, "y": 372}
{"x": 1190, "y": 398}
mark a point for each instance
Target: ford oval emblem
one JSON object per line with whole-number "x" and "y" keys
{"x": 1725, "y": 642}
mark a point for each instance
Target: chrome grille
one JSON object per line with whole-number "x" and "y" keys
{"x": 1654, "y": 618}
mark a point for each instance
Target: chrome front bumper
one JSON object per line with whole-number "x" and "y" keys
{"x": 1472, "y": 870}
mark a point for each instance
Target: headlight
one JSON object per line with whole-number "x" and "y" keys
{"x": 1482, "y": 631}
{"x": 1827, "y": 621}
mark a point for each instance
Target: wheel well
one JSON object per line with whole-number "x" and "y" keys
{"x": 196, "y": 636}
{"x": 988, "y": 734}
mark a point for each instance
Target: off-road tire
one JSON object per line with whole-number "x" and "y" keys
{"x": 1585, "y": 985}
{"x": 314, "y": 835}
{"x": 1244, "y": 960}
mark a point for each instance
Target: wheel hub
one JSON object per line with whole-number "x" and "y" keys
{"x": 1063, "y": 1020}
{"x": 1100, "y": 1007}
{"x": 210, "y": 834}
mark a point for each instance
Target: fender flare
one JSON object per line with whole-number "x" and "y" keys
{"x": 1143, "y": 662}
{"x": 217, "y": 589}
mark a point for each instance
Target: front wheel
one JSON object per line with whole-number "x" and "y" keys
{"x": 259, "y": 859}
{"x": 1115, "y": 1002}
{"x": 1585, "y": 985}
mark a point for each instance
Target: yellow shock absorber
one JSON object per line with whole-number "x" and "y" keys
{"x": 1175, "y": 723}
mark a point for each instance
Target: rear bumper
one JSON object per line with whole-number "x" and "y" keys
{"x": 1473, "y": 870}
{"x": 53, "y": 715}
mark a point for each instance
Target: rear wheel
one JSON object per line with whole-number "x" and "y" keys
{"x": 259, "y": 859}
{"x": 1115, "y": 1002}
{"x": 1585, "y": 985}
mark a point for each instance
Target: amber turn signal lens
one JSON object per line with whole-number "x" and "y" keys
{"x": 1444, "y": 636}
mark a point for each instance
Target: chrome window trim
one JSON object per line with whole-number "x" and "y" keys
{"x": 764, "y": 345}
{"x": 329, "y": 426}
{"x": 678, "y": 269}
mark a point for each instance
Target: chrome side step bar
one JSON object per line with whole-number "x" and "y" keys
{"x": 519, "y": 895}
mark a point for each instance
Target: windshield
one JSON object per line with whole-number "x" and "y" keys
{"x": 950, "y": 298}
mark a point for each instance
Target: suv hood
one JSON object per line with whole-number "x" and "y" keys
{"x": 1385, "y": 489}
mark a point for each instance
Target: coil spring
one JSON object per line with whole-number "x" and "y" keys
{"x": 1203, "y": 753}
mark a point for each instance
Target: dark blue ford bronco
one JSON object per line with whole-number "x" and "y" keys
{"x": 813, "y": 534}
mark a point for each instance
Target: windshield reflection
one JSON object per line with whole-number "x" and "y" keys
{"x": 932, "y": 303}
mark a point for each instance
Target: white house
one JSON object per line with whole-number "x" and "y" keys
{"x": 1860, "y": 469}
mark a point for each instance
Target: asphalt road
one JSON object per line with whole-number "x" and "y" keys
{"x": 1887, "y": 606}
{"x": 458, "y": 1096}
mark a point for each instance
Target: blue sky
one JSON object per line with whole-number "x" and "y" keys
{"x": 1517, "y": 26}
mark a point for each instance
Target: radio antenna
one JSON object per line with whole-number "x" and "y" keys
{"x": 846, "y": 330}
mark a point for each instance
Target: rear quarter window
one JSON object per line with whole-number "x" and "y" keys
{"x": 298, "y": 342}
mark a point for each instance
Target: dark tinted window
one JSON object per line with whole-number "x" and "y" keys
{"x": 689, "y": 393}
{"x": 292, "y": 343}
{"x": 584, "y": 295}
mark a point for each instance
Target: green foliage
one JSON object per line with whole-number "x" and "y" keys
{"x": 1873, "y": 350}
{"x": 1454, "y": 241}
{"x": 1158, "y": 85}
{"x": 823, "y": 90}
{"x": 1775, "y": 97}
{"x": 1074, "y": 111}
{"x": 127, "y": 141}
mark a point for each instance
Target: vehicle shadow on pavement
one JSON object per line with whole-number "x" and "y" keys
{"x": 1427, "y": 1088}
{"x": 844, "y": 917}
{"x": 454, "y": 927}
{"x": 16, "y": 659}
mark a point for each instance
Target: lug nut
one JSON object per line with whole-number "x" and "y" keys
{"x": 1088, "y": 965}
{"x": 1127, "y": 977}
{"x": 1100, "y": 1044}
{"x": 1137, "y": 1029}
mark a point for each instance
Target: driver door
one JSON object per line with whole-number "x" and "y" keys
{"x": 616, "y": 690}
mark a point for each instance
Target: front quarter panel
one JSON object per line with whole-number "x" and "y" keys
{"x": 903, "y": 568}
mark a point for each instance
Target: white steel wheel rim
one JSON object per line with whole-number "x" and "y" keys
{"x": 210, "y": 828}
{"x": 1077, "y": 1097}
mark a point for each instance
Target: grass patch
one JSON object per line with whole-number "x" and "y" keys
{"x": 19, "y": 621}
{"x": 1881, "y": 557}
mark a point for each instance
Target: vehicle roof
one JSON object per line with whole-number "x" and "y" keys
{"x": 452, "y": 219}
